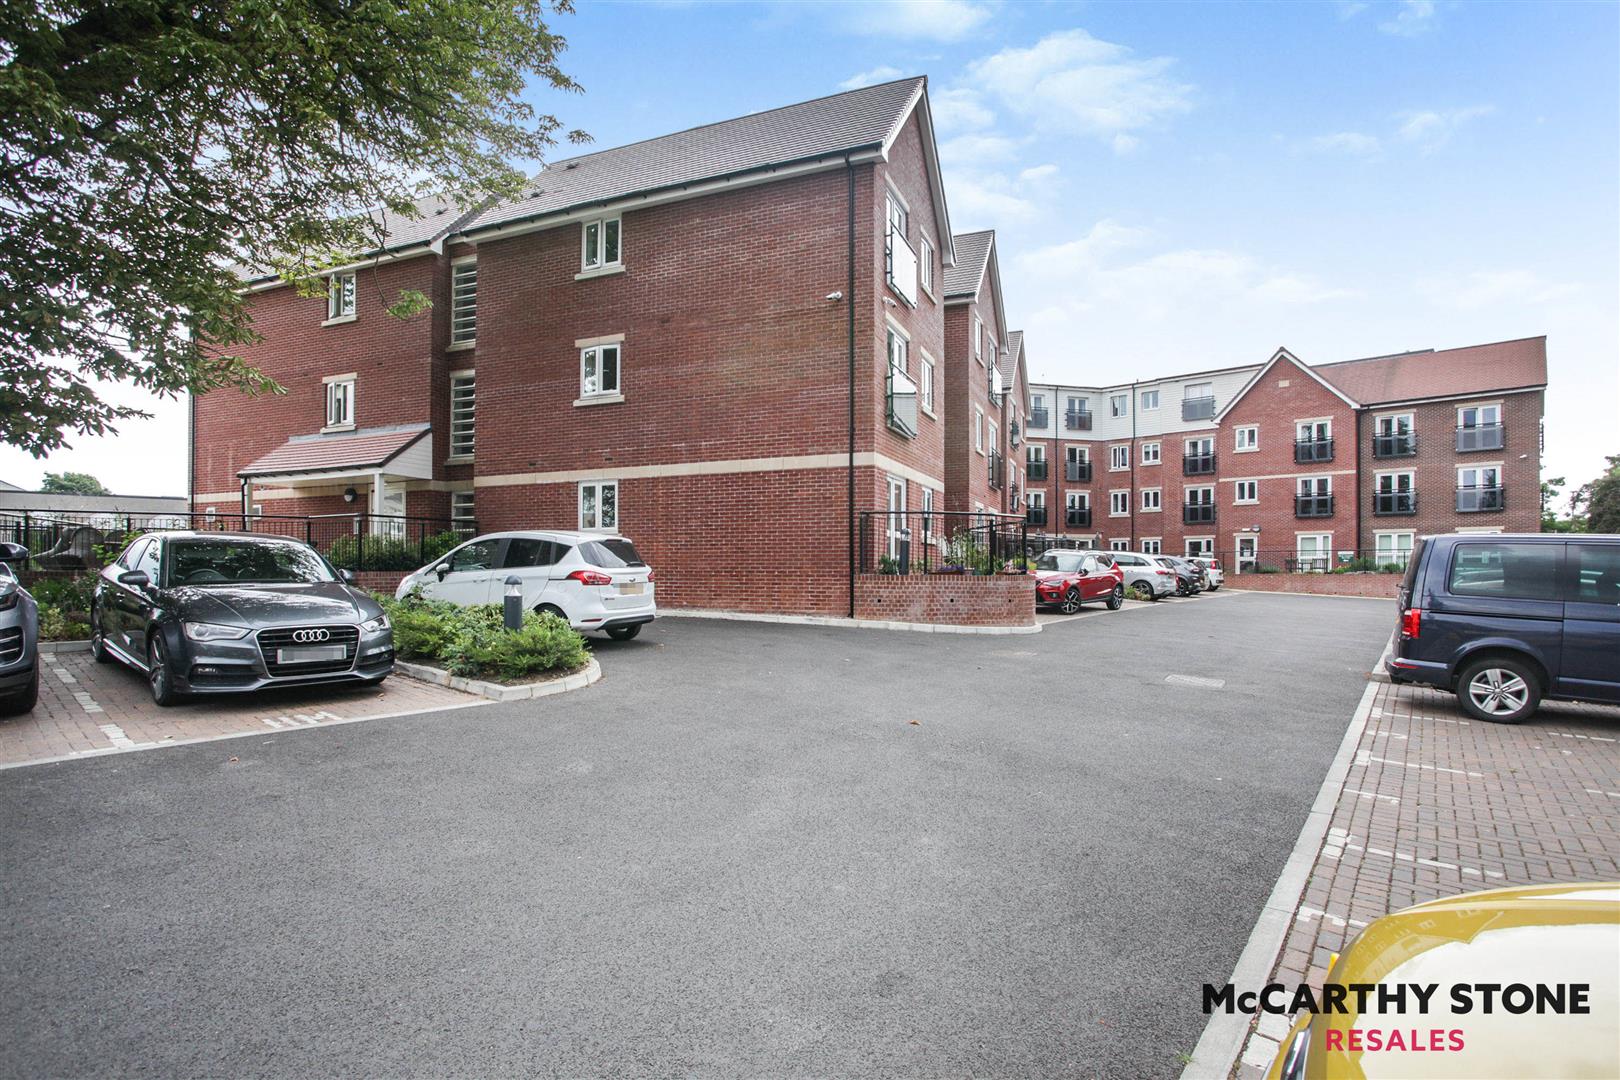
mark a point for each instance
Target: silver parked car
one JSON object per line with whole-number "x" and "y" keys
{"x": 1145, "y": 577}
{"x": 19, "y": 637}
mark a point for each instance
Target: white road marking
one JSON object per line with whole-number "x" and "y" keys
{"x": 1371, "y": 795}
{"x": 1590, "y": 738}
{"x": 1404, "y": 856}
{"x": 1195, "y": 680}
{"x": 1306, "y": 914}
{"x": 1362, "y": 757}
{"x": 1595, "y": 791}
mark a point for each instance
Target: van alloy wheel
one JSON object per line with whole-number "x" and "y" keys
{"x": 1498, "y": 691}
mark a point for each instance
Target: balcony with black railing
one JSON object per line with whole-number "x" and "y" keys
{"x": 1035, "y": 515}
{"x": 1078, "y": 517}
{"x": 1480, "y": 437}
{"x": 1036, "y": 468}
{"x": 1015, "y": 434}
{"x": 1307, "y": 451}
{"x": 1394, "y": 503}
{"x": 1077, "y": 472}
{"x": 1038, "y": 418}
{"x": 1197, "y": 408}
{"x": 1401, "y": 445}
{"x": 1077, "y": 420}
{"x": 998, "y": 470}
{"x": 1198, "y": 514}
{"x": 1313, "y": 506}
{"x": 1479, "y": 498}
{"x": 1198, "y": 464}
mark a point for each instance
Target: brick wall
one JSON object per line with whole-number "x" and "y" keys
{"x": 951, "y": 599}
{"x": 1376, "y": 585}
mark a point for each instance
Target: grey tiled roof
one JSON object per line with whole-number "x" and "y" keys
{"x": 1008, "y": 361}
{"x": 972, "y": 251}
{"x": 436, "y": 216}
{"x": 838, "y": 124}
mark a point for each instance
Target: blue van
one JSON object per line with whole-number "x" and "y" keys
{"x": 1506, "y": 620}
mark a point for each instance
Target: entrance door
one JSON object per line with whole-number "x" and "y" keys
{"x": 897, "y": 514}
{"x": 390, "y": 519}
{"x": 1246, "y": 547}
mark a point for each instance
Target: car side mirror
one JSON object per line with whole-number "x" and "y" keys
{"x": 347, "y": 577}
{"x": 10, "y": 552}
{"x": 442, "y": 569}
{"x": 135, "y": 579}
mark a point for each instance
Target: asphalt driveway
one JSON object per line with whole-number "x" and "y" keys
{"x": 751, "y": 849}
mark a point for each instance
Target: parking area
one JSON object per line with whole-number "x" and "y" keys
{"x": 86, "y": 708}
{"x": 749, "y": 849}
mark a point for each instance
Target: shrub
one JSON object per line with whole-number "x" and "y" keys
{"x": 473, "y": 641}
{"x": 55, "y": 625}
{"x": 70, "y": 594}
{"x": 389, "y": 552}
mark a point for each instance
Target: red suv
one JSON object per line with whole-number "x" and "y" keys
{"x": 1067, "y": 579}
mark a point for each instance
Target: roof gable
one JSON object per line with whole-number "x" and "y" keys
{"x": 1276, "y": 357}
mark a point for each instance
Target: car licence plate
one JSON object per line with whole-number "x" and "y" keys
{"x": 312, "y": 654}
{"x": 631, "y": 588}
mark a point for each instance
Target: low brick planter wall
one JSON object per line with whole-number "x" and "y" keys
{"x": 383, "y": 581}
{"x": 947, "y": 599}
{"x": 1379, "y": 585}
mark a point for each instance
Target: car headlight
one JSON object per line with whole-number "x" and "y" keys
{"x": 207, "y": 631}
{"x": 375, "y": 625}
{"x": 10, "y": 593}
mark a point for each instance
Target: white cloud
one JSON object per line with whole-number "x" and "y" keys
{"x": 1038, "y": 173}
{"x": 1414, "y": 17}
{"x": 1349, "y": 9}
{"x": 1073, "y": 82}
{"x": 1431, "y": 129}
{"x": 1490, "y": 289}
{"x": 1354, "y": 143}
{"x": 977, "y": 150}
{"x": 959, "y": 109}
{"x": 932, "y": 20}
{"x": 870, "y": 78}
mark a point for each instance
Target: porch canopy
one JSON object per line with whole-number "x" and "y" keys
{"x": 380, "y": 459}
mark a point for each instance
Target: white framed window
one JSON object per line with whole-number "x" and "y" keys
{"x": 1390, "y": 483}
{"x": 464, "y": 302}
{"x": 1198, "y": 390}
{"x": 340, "y": 296}
{"x": 1119, "y": 545}
{"x": 1247, "y": 438}
{"x": 462, "y": 393}
{"x": 1246, "y": 491}
{"x": 1119, "y": 457}
{"x": 599, "y": 371}
{"x": 1200, "y": 496}
{"x": 462, "y": 521}
{"x": 1037, "y": 500}
{"x": 1393, "y": 548}
{"x": 340, "y": 402}
{"x": 1314, "y": 551}
{"x": 1150, "y": 453}
{"x": 1152, "y": 545}
{"x": 1315, "y": 486}
{"x": 1394, "y": 424}
{"x": 599, "y": 504}
{"x": 928, "y": 509}
{"x": 1479, "y": 476}
{"x": 899, "y": 350}
{"x": 600, "y": 243}
{"x": 978, "y": 339}
{"x": 990, "y": 346}
{"x": 1150, "y": 400}
{"x": 978, "y": 429}
{"x": 899, "y": 217}
{"x": 925, "y": 262}
{"x": 1471, "y": 416}
{"x": 1035, "y": 453}
{"x": 1200, "y": 547}
{"x": 1150, "y": 501}
{"x": 1119, "y": 504}
{"x": 1037, "y": 402}
{"x": 995, "y": 436}
{"x": 1313, "y": 430}
{"x": 925, "y": 383}
{"x": 1119, "y": 404}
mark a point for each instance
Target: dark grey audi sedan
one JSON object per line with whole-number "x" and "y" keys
{"x": 209, "y": 612}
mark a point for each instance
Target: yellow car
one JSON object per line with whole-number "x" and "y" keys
{"x": 1505, "y": 983}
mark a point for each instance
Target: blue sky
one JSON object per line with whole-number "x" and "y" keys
{"x": 1180, "y": 186}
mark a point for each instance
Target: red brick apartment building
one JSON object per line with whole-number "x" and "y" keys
{"x": 1290, "y": 466}
{"x": 719, "y": 342}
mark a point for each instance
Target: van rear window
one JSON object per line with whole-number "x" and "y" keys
{"x": 1506, "y": 570}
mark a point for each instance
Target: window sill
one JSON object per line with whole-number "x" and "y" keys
{"x": 926, "y": 411}
{"x": 329, "y": 428}
{"x": 1147, "y": 464}
{"x": 1246, "y": 450}
{"x": 459, "y": 459}
{"x": 340, "y": 320}
{"x": 600, "y": 399}
{"x": 600, "y": 271}
{"x": 461, "y": 346}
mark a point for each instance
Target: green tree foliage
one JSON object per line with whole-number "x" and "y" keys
{"x": 72, "y": 483}
{"x": 148, "y": 147}
{"x": 1600, "y": 500}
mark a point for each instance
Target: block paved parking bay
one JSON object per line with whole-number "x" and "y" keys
{"x": 86, "y": 708}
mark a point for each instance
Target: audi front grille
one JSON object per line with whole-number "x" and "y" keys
{"x": 11, "y": 645}
{"x": 298, "y": 637}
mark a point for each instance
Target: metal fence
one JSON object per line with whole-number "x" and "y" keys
{"x": 940, "y": 542}
{"x": 79, "y": 543}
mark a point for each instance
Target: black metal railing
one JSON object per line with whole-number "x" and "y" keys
{"x": 359, "y": 541}
{"x": 1035, "y": 515}
{"x": 1197, "y": 408}
{"x": 998, "y": 470}
{"x": 1310, "y": 450}
{"x": 1077, "y": 420}
{"x": 1197, "y": 464}
{"x": 1293, "y": 561}
{"x": 1077, "y": 472}
{"x": 940, "y": 542}
{"x": 1014, "y": 434}
{"x": 1313, "y": 506}
{"x": 1404, "y": 445}
{"x": 1038, "y": 418}
{"x": 1480, "y": 437}
{"x": 1036, "y": 468}
{"x": 1394, "y": 503}
{"x": 1078, "y": 517}
{"x": 1198, "y": 513}
{"x": 1472, "y": 500}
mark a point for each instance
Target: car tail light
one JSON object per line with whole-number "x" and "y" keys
{"x": 590, "y": 577}
{"x": 650, "y": 575}
{"x": 1411, "y": 623}
{"x": 1215, "y": 564}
